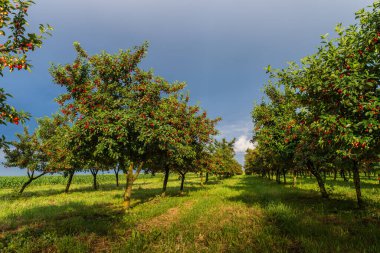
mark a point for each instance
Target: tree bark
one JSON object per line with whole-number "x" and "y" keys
{"x": 166, "y": 179}
{"x": 294, "y": 179}
{"x": 335, "y": 172}
{"x": 378, "y": 178}
{"x": 128, "y": 187}
{"x": 94, "y": 184}
{"x": 94, "y": 173}
{"x": 182, "y": 181}
{"x": 130, "y": 179}
{"x": 71, "y": 175}
{"x": 31, "y": 179}
{"x": 284, "y": 174}
{"x": 25, "y": 185}
{"x": 206, "y": 181}
{"x": 317, "y": 175}
{"x": 343, "y": 175}
{"x": 278, "y": 176}
{"x": 357, "y": 184}
{"x": 117, "y": 176}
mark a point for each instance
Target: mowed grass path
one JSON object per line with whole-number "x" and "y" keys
{"x": 241, "y": 214}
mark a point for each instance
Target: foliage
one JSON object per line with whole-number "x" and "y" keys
{"x": 26, "y": 153}
{"x": 325, "y": 112}
{"x": 223, "y": 156}
{"x": 13, "y": 52}
{"x": 124, "y": 115}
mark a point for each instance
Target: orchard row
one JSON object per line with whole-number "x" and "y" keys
{"x": 113, "y": 116}
{"x": 324, "y": 114}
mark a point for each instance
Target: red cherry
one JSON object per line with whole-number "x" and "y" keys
{"x": 16, "y": 120}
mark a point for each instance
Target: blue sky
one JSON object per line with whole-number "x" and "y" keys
{"x": 219, "y": 47}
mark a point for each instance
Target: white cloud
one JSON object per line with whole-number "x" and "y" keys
{"x": 242, "y": 144}
{"x": 242, "y": 131}
{"x": 233, "y": 130}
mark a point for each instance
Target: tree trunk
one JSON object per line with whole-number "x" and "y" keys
{"x": 284, "y": 174}
{"x": 357, "y": 184}
{"x": 25, "y": 185}
{"x": 335, "y": 172}
{"x": 182, "y": 181}
{"x": 343, "y": 175}
{"x": 31, "y": 178}
{"x": 94, "y": 173}
{"x": 278, "y": 176}
{"x": 378, "y": 178}
{"x": 117, "y": 176}
{"x": 128, "y": 187}
{"x": 130, "y": 179}
{"x": 71, "y": 175}
{"x": 94, "y": 184}
{"x": 317, "y": 175}
{"x": 206, "y": 181}
{"x": 294, "y": 179}
{"x": 166, "y": 179}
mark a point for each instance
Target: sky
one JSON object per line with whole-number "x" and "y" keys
{"x": 218, "y": 47}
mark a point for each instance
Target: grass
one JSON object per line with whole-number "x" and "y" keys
{"x": 241, "y": 214}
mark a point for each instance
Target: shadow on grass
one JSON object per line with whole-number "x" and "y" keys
{"x": 67, "y": 219}
{"x": 271, "y": 191}
{"x": 340, "y": 182}
{"x": 302, "y": 221}
{"x": 47, "y": 215}
{"x": 143, "y": 195}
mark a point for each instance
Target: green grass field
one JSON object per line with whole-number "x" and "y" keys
{"x": 241, "y": 214}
